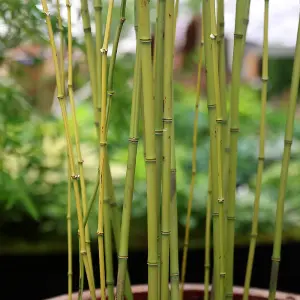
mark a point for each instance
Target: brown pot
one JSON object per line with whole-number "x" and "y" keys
{"x": 193, "y": 292}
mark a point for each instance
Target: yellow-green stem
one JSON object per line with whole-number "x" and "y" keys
{"x": 289, "y": 131}
{"x": 150, "y": 148}
{"x": 194, "y": 165}
{"x": 74, "y": 176}
{"x": 167, "y": 143}
{"x": 261, "y": 155}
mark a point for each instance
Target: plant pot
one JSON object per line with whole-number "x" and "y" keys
{"x": 192, "y": 292}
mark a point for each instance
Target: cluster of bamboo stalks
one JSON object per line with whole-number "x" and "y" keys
{"x": 152, "y": 106}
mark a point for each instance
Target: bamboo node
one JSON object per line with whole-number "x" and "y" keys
{"x": 98, "y": 7}
{"x": 265, "y": 79}
{"x": 97, "y": 123}
{"x": 238, "y": 36}
{"x": 152, "y": 264}
{"x": 103, "y": 51}
{"x": 253, "y": 235}
{"x": 234, "y": 130}
{"x": 275, "y": 259}
{"x": 185, "y": 245}
{"x": 174, "y": 276}
{"x": 133, "y": 140}
{"x": 68, "y": 217}
{"x": 78, "y": 233}
{"x": 100, "y": 233}
{"x": 110, "y": 93}
{"x": 230, "y": 218}
{"x": 220, "y": 121}
{"x": 47, "y": 13}
{"x": 70, "y": 273}
{"x": 246, "y": 21}
{"x": 229, "y": 295}
{"x": 167, "y": 120}
{"x": 261, "y": 158}
{"x": 211, "y": 106}
{"x": 87, "y": 30}
{"x": 288, "y": 142}
{"x": 227, "y": 149}
{"x": 215, "y": 214}
{"x": 122, "y": 20}
{"x": 99, "y": 109}
{"x": 60, "y": 97}
{"x": 145, "y": 40}
{"x": 103, "y": 143}
{"x": 221, "y": 200}
{"x": 158, "y": 132}
{"x": 80, "y": 162}
{"x": 83, "y": 252}
{"x": 68, "y": 5}
{"x": 165, "y": 232}
{"x": 123, "y": 256}
{"x": 222, "y": 274}
{"x": 110, "y": 283}
{"x": 150, "y": 160}
{"x": 75, "y": 176}
{"x": 206, "y": 266}
{"x": 113, "y": 204}
{"x": 213, "y": 36}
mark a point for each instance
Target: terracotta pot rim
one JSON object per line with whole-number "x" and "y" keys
{"x": 237, "y": 290}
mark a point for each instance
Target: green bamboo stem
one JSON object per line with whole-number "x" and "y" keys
{"x": 98, "y": 7}
{"x": 174, "y": 257}
{"x": 110, "y": 90}
{"x": 158, "y": 77}
{"x": 207, "y": 237}
{"x": 61, "y": 45}
{"x": 61, "y": 98}
{"x": 289, "y": 131}
{"x": 103, "y": 147}
{"x": 108, "y": 239}
{"x": 194, "y": 170}
{"x": 239, "y": 36}
{"x": 150, "y": 148}
{"x": 92, "y": 200}
{"x": 116, "y": 224}
{"x": 167, "y": 143}
{"x": 77, "y": 137}
{"x": 220, "y": 131}
{"x": 261, "y": 155}
{"x": 69, "y": 228}
{"x": 130, "y": 174}
{"x": 213, "y": 142}
{"x": 90, "y": 52}
{"x": 81, "y": 276}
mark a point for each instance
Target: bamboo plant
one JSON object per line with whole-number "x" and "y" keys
{"x": 152, "y": 109}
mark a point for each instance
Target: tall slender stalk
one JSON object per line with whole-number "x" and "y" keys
{"x": 110, "y": 91}
{"x": 90, "y": 52}
{"x": 77, "y": 137}
{"x": 207, "y": 236}
{"x": 69, "y": 228}
{"x": 220, "y": 131}
{"x": 194, "y": 166}
{"x": 213, "y": 142}
{"x": 158, "y": 77}
{"x": 103, "y": 146}
{"x": 129, "y": 182}
{"x": 167, "y": 143}
{"x": 289, "y": 131}
{"x": 261, "y": 155}
{"x": 81, "y": 276}
{"x": 108, "y": 239}
{"x": 150, "y": 148}
{"x": 239, "y": 36}
{"x": 61, "y": 98}
{"x": 174, "y": 257}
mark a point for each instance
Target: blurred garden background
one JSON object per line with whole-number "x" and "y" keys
{"x": 33, "y": 162}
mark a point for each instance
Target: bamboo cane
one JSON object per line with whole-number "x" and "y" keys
{"x": 289, "y": 131}
{"x": 194, "y": 165}
{"x": 261, "y": 155}
{"x": 150, "y": 148}
{"x": 61, "y": 98}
